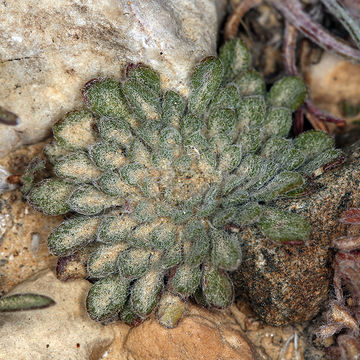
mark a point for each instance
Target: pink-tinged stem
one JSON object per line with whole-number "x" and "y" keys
{"x": 293, "y": 12}
{"x": 315, "y": 121}
{"x": 351, "y": 216}
{"x": 323, "y": 116}
{"x": 289, "y": 48}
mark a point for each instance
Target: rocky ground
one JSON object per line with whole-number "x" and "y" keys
{"x": 43, "y": 66}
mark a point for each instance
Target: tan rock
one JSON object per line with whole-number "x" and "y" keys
{"x": 63, "y": 331}
{"x": 333, "y": 84}
{"x": 202, "y": 334}
{"x": 278, "y": 343}
{"x": 49, "y": 49}
{"x": 23, "y": 230}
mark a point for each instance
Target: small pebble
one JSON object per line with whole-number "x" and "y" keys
{"x": 35, "y": 242}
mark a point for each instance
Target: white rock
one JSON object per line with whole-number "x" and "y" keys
{"x": 63, "y": 331}
{"x": 49, "y": 49}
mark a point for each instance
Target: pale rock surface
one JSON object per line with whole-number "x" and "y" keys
{"x": 63, "y": 331}
{"x": 49, "y": 49}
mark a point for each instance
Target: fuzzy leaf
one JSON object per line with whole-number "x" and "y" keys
{"x": 107, "y": 156}
{"x": 171, "y": 257}
{"x": 226, "y": 98}
{"x": 163, "y": 236}
{"x": 149, "y": 133}
{"x": 107, "y": 297}
{"x": 54, "y": 151}
{"x": 204, "y": 83}
{"x": 171, "y": 310}
{"x": 170, "y": 139}
{"x": 227, "y": 215}
{"x": 251, "y": 112}
{"x": 275, "y": 146}
{"x": 278, "y": 122}
{"x": 282, "y": 226}
{"x": 289, "y": 92}
{"x": 250, "y": 83}
{"x": 115, "y": 131}
{"x": 196, "y": 238}
{"x": 312, "y": 143}
{"x": 76, "y": 167}
{"x": 145, "y": 212}
{"x": 217, "y": 287}
{"x": 132, "y": 173}
{"x": 173, "y": 108}
{"x": 102, "y": 262}
{"x": 230, "y": 158}
{"x": 76, "y": 130}
{"x": 50, "y": 196}
{"x": 114, "y": 229}
{"x": 283, "y": 183}
{"x": 88, "y": 200}
{"x": 249, "y": 168}
{"x": 145, "y": 101}
{"x": 250, "y": 141}
{"x": 209, "y": 203}
{"x": 139, "y": 153}
{"x": 145, "y": 75}
{"x": 190, "y": 124}
{"x": 28, "y": 178}
{"x": 221, "y": 121}
{"x": 235, "y": 57}
{"x": 249, "y": 214}
{"x": 225, "y": 250}
{"x": 145, "y": 293}
{"x": 218, "y": 142}
{"x": 196, "y": 144}
{"x": 128, "y": 316}
{"x": 133, "y": 263}
{"x": 321, "y": 159}
{"x": 186, "y": 280}
{"x": 105, "y": 98}
{"x": 73, "y": 234}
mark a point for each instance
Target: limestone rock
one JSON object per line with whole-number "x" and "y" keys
{"x": 201, "y": 335}
{"x": 63, "y": 331}
{"x": 50, "y": 49}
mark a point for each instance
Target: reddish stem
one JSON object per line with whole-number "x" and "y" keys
{"x": 293, "y": 12}
{"x": 299, "y": 121}
{"x": 323, "y": 116}
{"x": 289, "y": 47}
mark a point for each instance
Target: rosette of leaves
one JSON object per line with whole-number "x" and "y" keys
{"x": 151, "y": 180}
